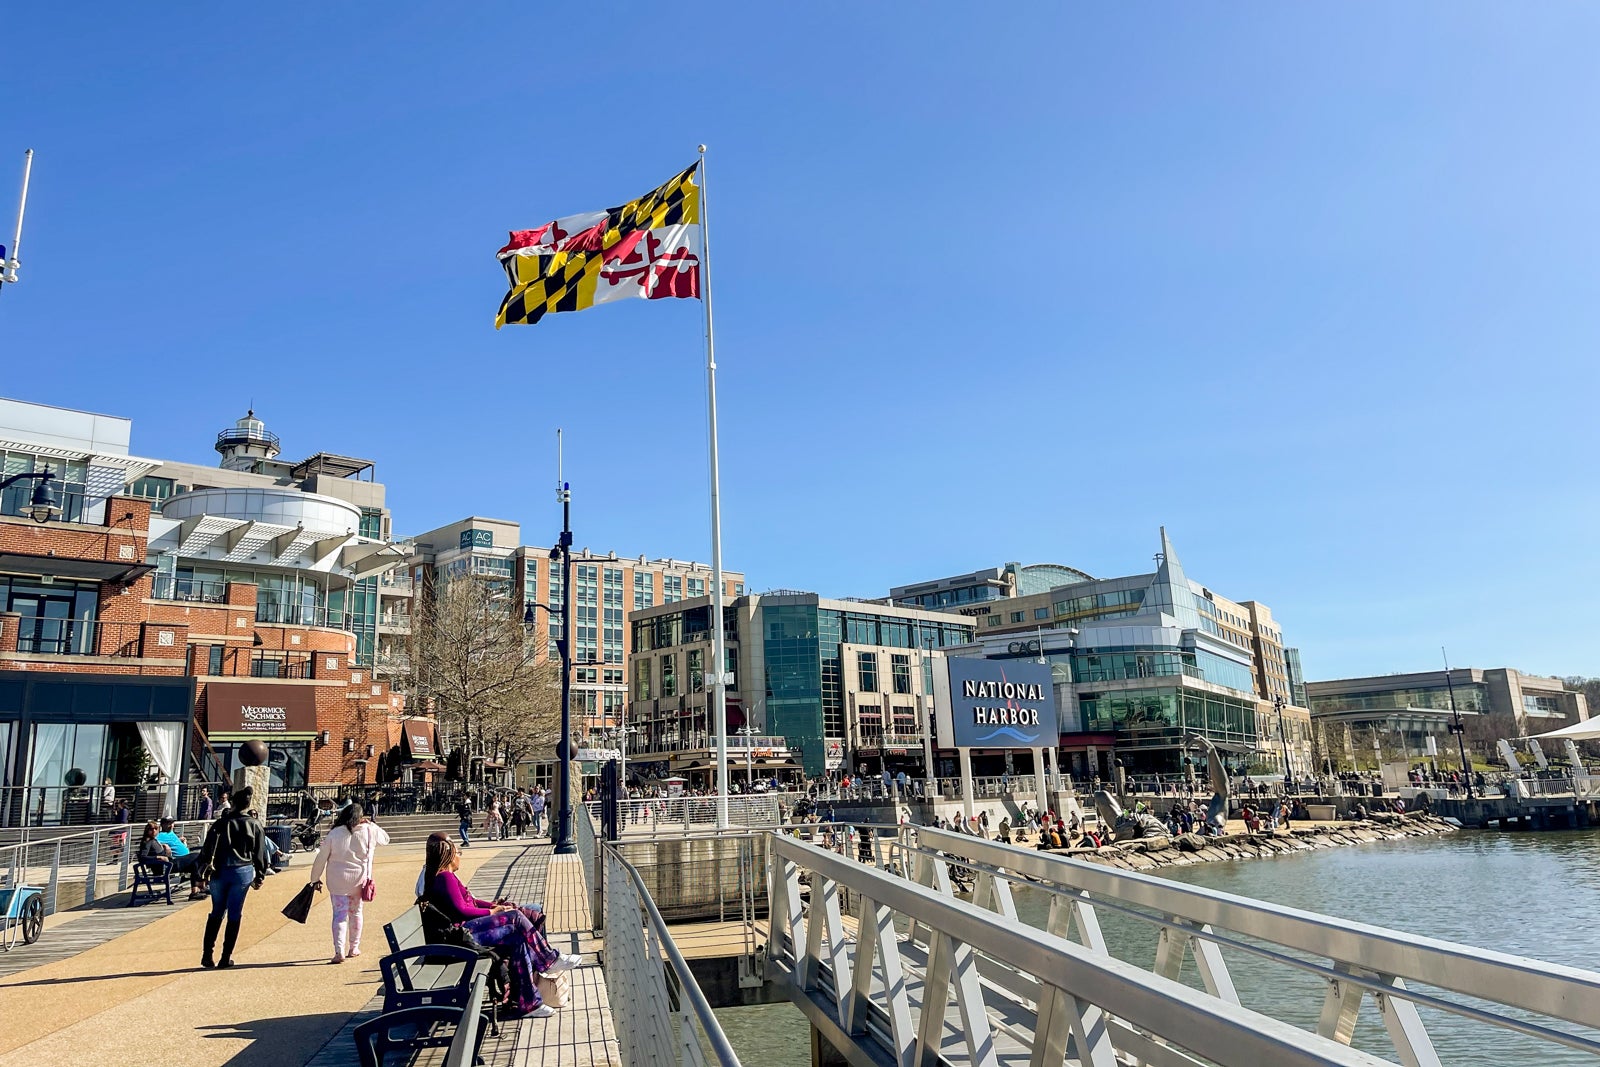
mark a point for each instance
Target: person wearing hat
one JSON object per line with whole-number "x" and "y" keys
{"x": 235, "y": 853}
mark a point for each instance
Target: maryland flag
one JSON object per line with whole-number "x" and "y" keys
{"x": 648, "y": 248}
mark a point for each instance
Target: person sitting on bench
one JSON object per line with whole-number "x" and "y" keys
{"x": 498, "y": 925}
{"x": 183, "y": 860}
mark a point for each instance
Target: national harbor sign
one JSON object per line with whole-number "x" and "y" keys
{"x": 990, "y": 703}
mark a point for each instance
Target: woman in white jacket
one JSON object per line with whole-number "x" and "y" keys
{"x": 346, "y": 859}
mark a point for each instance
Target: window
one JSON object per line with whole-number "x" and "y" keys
{"x": 1041, "y": 613}
{"x": 669, "y": 675}
{"x": 900, "y": 668}
{"x": 644, "y": 590}
{"x": 992, "y": 620}
{"x": 588, "y": 674}
{"x": 1016, "y": 616}
{"x": 867, "y": 671}
{"x": 672, "y": 585}
{"x": 738, "y": 589}
{"x": 697, "y": 587}
{"x": 641, "y": 679}
{"x": 612, "y": 676}
{"x": 697, "y": 673}
{"x": 156, "y": 489}
{"x": 214, "y": 659}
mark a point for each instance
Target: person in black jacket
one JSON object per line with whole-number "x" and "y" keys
{"x": 236, "y": 853}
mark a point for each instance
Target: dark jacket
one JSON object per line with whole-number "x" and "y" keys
{"x": 235, "y": 840}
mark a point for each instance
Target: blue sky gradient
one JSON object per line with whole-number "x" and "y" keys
{"x": 1312, "y": 285}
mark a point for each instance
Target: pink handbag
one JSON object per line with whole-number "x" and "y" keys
{"x": 369, "y": 888}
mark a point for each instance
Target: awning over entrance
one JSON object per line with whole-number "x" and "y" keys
{"x": 55, "y": 567}
{"x": 417, "y": 739}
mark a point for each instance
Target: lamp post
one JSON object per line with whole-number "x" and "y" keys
{"x": 1457, "y": 727}
{"x": 747, "y": 732}
{"x": 561, "y": 832}
{"x": 43, "y": 507}
{"x": 1278, "y": 703}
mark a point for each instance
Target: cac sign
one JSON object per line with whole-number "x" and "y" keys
{"x": 989, "y": 703}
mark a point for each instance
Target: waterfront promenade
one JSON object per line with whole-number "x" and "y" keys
{"x": 132, "y": 984}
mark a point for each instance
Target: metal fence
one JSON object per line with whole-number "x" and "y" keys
{"x": 79, "y": 868}
{"x": 1523, "y": 1005}
{"x": 662, "y": 1018}
{"x": 675, "y": 816}
{"x": 891, "y": 994}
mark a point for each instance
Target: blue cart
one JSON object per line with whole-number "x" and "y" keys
{"x": 21, "y": 915}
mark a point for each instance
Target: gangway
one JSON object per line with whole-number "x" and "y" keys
{"x": 1011, "y": 995}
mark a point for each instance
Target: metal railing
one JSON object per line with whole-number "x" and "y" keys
{"x": 1340, "y": 962}
{"x": 80, "y": 868}
{"x": 84, "y": 806}
{"x": 190, "y": 590}
{"x": 676, "y": 816}
{"x": 1063, "y": 997}
{"x": 78, "y": 637}
{"x": 661, "y": 1016}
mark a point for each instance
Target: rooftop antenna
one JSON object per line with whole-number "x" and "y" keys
{"x": 8, "y": 267}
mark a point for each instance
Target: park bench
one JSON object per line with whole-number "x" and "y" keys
{"x": 460, "y": 1027}
{"x": 418, "y": 974}
{"x": 150, "y": 881}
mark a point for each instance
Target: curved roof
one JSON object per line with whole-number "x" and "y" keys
{"x": 1043, "y": 577}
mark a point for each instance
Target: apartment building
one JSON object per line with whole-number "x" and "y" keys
{"x": 846, "y": 684}
{"x": 606, "y": 588}
{"x": 166, "y": 613}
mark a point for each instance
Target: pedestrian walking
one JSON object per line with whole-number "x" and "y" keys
{"x": 345, "y": 858}
{"x": 492, "y": 822}
{"x": 464, "y": 813}
{"x": 538, "y": 809}
{"x": 235, "y": 855}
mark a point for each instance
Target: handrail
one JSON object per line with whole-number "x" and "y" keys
{"x": 1077, "y": 988}
{"x": 686, "y": 1050}
{"x": 1545, "y": 988}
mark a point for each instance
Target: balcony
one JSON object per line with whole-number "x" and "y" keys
{"x": 394, "y": 623}
{"x": 290, "y": 614}
{"x": 39, "y": 636}
{"x": 189, "y": 590}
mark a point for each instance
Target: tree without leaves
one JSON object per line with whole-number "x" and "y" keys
{"x": 492, "y": 689}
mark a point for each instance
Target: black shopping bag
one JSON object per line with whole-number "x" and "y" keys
{"x": 299, "y": 908}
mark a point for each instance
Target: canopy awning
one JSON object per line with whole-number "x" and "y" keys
{"x": 1585, "y": 730}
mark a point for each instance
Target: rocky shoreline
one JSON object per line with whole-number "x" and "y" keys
{"x": 1146, "y": 854}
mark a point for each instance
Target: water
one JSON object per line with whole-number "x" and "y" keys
{"x": 1534, "y": 894}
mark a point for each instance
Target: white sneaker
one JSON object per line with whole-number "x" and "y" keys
{"x": 563, "y": 963}
{"x": 543, "y": 1011}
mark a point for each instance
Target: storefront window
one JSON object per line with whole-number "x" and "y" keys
{"x": 286, "y": 761}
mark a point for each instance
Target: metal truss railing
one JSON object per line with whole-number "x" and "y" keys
{"x": 73, "y": 869}
{"x": 1350, "y": 962}
{"x": 1018, "y": 993}
{"x": 662, "y": 1018}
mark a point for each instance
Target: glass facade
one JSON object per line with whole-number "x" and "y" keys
{"x": 792, "y": 648}
{"x": 69, "y": 487}
{"x": 1161, "y": 717}
{"x": 1470, "y": 696}
{"x": 586, "y": 613}
{"x": 613, "y": 615}
{"x": 867, "y": 672}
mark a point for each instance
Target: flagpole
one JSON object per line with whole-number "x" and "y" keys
{"x": 719, "y": 676}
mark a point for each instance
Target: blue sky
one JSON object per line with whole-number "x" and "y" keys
{"x": 1312, "y": 285}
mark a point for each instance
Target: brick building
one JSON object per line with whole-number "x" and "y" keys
{"x": 155, "y": 625}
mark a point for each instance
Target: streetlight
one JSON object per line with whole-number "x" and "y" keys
{"x": 1277, "y": 703}
{"x": 563, "y": 828}
{"x": 43, "y": 507}
{"x": 1458, "y": 727}
{"x": 747, "y": 732}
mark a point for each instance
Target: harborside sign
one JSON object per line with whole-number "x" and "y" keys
{"x": 999, "y": 704}
{"x": 236, "y": 707}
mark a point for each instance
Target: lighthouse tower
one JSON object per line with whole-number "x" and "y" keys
{"x": 247, "y": 444}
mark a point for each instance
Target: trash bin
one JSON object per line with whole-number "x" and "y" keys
{"x": 282, "y": 836}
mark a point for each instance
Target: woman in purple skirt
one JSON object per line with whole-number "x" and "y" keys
{"x": 516, "y": 933}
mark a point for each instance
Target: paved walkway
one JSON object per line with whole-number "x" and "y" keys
{"x": 144, "y": 991}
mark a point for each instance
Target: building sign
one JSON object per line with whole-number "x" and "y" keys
{"x": 256, "y": 708}
{"x": 992, "y": 703}
{"x": 975, "y": 611}
{"x": 598, "y": 755}
{"x": 477, "y": 538}
{"x": 419, "y": 737}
